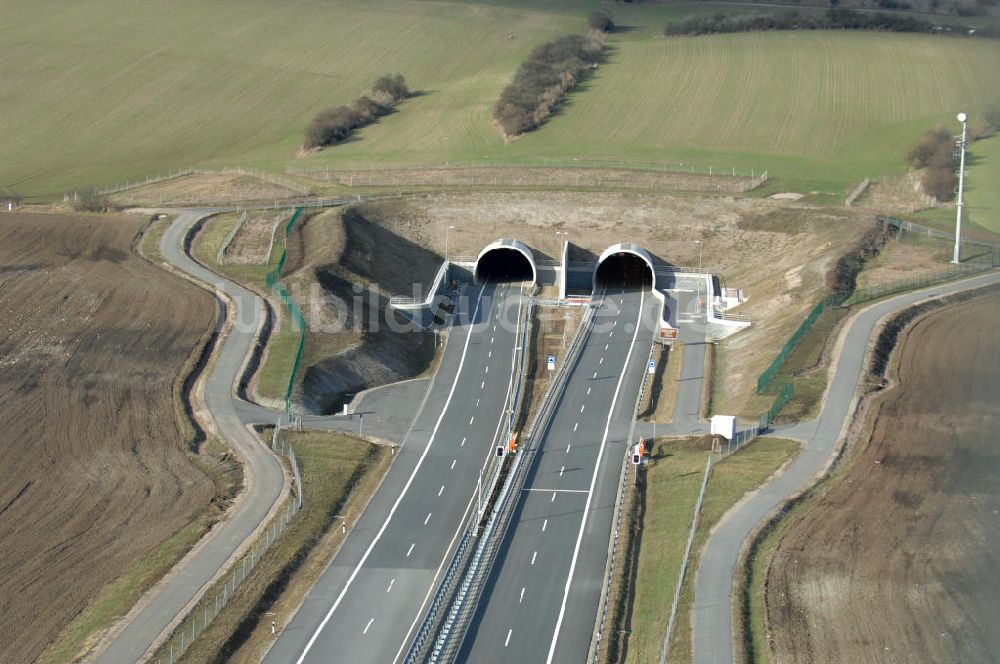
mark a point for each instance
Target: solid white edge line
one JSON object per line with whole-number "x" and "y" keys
{"x": 402, "y": 494}
{"x": 593, "y": 482}
{"x": 468, "y": 507}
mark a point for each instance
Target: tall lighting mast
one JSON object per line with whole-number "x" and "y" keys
{"x": 964, "y": 119}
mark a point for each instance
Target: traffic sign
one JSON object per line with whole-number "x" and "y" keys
{"x": 552, "y": 362}
{"x": 651, "y": 367}
{"x": 668, "y": 332}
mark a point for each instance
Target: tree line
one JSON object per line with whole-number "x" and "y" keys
{"x": 833, "y": 19}
{"x": 332, "y": 125}
{"x": 937, "y": 155}
{"x": 551, "y": 70}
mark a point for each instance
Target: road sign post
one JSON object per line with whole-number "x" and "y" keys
{"x": 551, "y": 365}
{"x": 651, "y": 367}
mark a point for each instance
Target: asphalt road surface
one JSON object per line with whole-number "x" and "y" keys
{"x": 712, "y": 613}
{"x": 541, "y": 601}
{"x": 262, "y": 471}
{"x": 365, "y": 605}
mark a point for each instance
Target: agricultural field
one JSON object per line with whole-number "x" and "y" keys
{"x": 98, "y": 487}
{"x": 158, "y": 86}
{"x": 896, "y": 561}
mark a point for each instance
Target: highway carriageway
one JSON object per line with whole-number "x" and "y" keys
{"x": 541, "y": 601}
{"x": 366, "y": 604}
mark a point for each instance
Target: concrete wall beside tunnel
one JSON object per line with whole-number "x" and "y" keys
{"x": 624, "y": 265}
{"x": 506, "y": 260}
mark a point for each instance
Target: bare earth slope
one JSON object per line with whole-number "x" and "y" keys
{"x": 94, "y": 470}
{"x": 898, "y": 561}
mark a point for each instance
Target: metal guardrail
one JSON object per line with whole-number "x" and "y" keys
{"x": 463, "y": 601}
{"x": 454, "y": 574}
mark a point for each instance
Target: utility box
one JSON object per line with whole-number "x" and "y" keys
{"x": 724, "y": 425}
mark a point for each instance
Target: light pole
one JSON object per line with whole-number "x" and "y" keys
{"x": 447, "y": 237}
{"x": 700, "y": 246}
{"x": 956, "y": 258}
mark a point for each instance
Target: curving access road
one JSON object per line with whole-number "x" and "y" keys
{"x": 713, "y": 638}
{"x": 263, "y": 473}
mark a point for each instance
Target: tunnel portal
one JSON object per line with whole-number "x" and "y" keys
{"x": 505, "y": 261}
{"x": 624, "y": 266}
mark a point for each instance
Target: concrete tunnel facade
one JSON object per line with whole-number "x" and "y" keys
{"x": 627, "y": 263}
{"x": 506, "y": 260}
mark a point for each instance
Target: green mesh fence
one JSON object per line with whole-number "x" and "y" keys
{"x": 274, "y": 284}
{"x": 763, "y": 382}
{"x": 784, "y": 396}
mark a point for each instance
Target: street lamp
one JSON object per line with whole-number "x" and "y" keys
{"x": 964, "y": 119}
{"x": 447, "y": 237}
{"x": 700, "y": 247}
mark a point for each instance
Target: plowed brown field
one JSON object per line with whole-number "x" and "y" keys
{"x": 900, "y": 560}
{"x": 94, "y": 469}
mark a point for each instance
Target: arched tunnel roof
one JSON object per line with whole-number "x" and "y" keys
{"x": 626, "y": 248}
{"x": 510, "y": 244}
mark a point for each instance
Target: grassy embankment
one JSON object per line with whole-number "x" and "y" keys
{"x": 819, "y": 110}
{"x": 673, "y": 479}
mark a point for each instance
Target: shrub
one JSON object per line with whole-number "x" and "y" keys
{"x": 939, "y": 178}
{"x": 835, "y": 18}
{"x": 934, "y": 141}
{"x": 333, "y": 125}
{"x": 89, "y": 200}
{"x": 600, "y": 21}
{"x": 542, "y": 80}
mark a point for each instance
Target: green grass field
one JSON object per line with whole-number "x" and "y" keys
{"x": 103, "y": 92}
{"x": 983, "y": 184}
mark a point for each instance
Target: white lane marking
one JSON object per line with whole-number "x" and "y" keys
{"x": 441, "y": 490}
{"x": 494, "y": 327}
{"x": 588, "y": 390}
{"x": 553, "y": 497}
{"x": 483, "y": 385}
{"x": 471, "y": 420}
{"x": 399, "y": 500}
{"x": 559, "y": 490}
{"x": 533, "y": 554}
{"x": 593, "y": 481}
{"x": 410, "y": 550}
{"x": 561, "y": 469}
{"x": 606, "y": 346}
{"x": 428, "y": 518}
{"x": 477, "y": 406}
{"x": 468, "y": 508}
{"x": 365, "y": 630}
{"x": 507, "y": 640}
{"x": 453, "y": 464}
{"x": 615, "y": 324}
{"x": 595, "y": 374}
{"x": 545, "y": 525}
{"x": 521, "y": 599}
{"x": 575, "y": 426}
{"x": 582, "y": 406}
{"x": 463, "y": 442}
{"x": 568, "y": 445}
{"x": 487, "y": 370}
{"x": 601, "y": 361}
{"x": 490, "y": 355}
{"x": 491, "y": 339}
{"x": 390, "y": 585}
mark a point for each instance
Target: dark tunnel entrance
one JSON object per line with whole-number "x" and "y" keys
{"x": 623, "y": 270}
{"x": 504, "y": 265}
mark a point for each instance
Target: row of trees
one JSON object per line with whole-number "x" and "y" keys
{"x": 333, "y": 125}
{"x": 832, "y": 19}
{"x": 542, "y": 81}
{"x": 935, "y": 154}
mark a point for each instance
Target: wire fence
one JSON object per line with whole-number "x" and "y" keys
{"x": 764, "y": 380}
{"x": 275, "y": 286}
{"x": 550, "y": 173}
{"x": 216, "y": 599}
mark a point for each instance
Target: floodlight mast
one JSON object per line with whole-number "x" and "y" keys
{"x": 957, "y": 256}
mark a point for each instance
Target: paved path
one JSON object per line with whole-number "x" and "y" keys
{"x": 262, "y": 471}
{"x": 712, "y": 613}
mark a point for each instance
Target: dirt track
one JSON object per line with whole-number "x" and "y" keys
{"x": 94, "y": 473}
{"x": 898, "y": 561}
